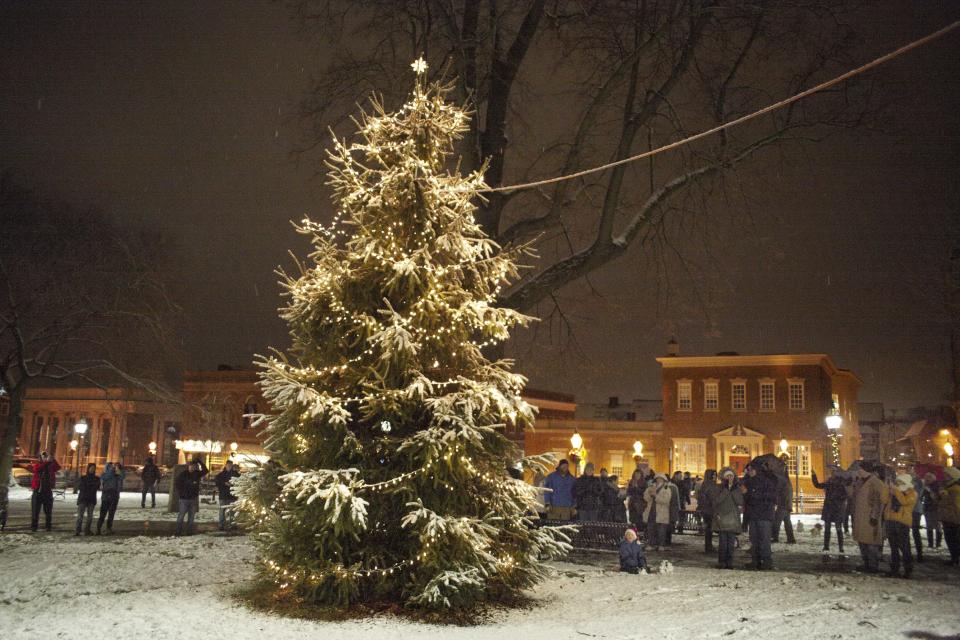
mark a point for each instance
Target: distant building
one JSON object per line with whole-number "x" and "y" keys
{"x": 723, "y": 410}
{"x": 880, "y": 429}
{"x": 614, "y": 411}
{"x": 121, "y": 424}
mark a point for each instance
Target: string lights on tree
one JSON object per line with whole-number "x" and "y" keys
{"x": 388, "y": 478}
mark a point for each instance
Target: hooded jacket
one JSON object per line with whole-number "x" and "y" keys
{"x": 707, "y": 494}
{"x": 727, "y": 505}
{"x": 900, "y": 504}
{"x": 111, "y": 481}
{"x": 632, "y": 556}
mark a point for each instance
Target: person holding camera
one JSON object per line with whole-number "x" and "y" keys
{"x": 87, "y": 489}
{"x": 187, "y": 486}
{"x": 42, "y": 484}
{"x": 225, "y": 494}
{"x": 110, "y": 484}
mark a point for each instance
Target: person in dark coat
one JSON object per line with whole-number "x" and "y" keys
{"x": 612, "y": 510}
{"x": 784, "y": 507}
{"x": 42, "y": 483}
{"x": 187, "y": 486}
{"x": 706, "y": 498}
{"x": 87, "y": 488}
{"x": 834, "y": 505}
{"x": 931, "y": 516}
{"x": 632, "y": 557}
{"x": 760, "y": 496}
{"x": 225, "y": 494}
{"x": 635, "y": 495}
{"x": 149, "y": 478}
{"x": 110, "y": 483}
{"x": 588, "y": 494}
{"x": 676, "y": 506}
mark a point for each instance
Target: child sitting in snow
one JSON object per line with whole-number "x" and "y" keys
{"x": 632, "y": 558}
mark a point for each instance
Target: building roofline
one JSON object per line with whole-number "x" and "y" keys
{"x": 783, "y": 359}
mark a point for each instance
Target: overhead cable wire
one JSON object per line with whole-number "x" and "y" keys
{"x": 727, "y": 125}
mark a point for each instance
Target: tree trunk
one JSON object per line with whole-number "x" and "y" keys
{"x": 8, "y": 443}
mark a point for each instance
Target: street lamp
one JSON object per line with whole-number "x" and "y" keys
{"x": 576, "y": 450}
{"x": 153, "y": 448}
{"x": 784, "y": 445}
{"x": 637, "y": 452}
{"x": 80, "y": 428}
{"x": 834, "y": 420}
{"x": 948, "y": 449}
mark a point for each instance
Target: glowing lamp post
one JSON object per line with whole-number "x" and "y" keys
{"x": 576, "y": 451}
{"x": 152, "y": 447}
{"x": 638, "y": 452}
{"x": 948, "y": 449}
{"x": 834, "y": 420}
{"x": 80, "y": 428}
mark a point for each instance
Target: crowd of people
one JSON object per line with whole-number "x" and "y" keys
{"x": 108, "y": 485}
{"x": 880, "y": 506}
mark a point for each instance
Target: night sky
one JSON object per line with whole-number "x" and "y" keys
{"x": 184, "y": 116}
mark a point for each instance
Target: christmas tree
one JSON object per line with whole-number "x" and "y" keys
{"x": 388, "y": 480}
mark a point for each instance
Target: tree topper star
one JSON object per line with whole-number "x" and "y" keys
{"x": 419, "y": 65}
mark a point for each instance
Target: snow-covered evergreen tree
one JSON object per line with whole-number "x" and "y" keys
{"x": 388, "y": 479}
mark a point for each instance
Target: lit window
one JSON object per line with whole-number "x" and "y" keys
{"x": 690, "y": 455}
{"x": 796, "y": 395}
{"x": 711, "y": 396}
{"x": 767, "y": 396}
{"x": 739, "y": 396}
{"x": 804, "y": 458}
{"x": 684, "y": 401}
{"x": 616, "y": 465}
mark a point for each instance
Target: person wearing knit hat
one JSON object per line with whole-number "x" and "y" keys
{"x": 726, "y": 516}
{"x": 588, "y": 494}
{"x": 948, "y": 503}
{"x": 658, "y": 502}
{"x": 898, "y": 520}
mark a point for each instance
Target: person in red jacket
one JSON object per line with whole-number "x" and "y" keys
{"x": 43, "y": 481}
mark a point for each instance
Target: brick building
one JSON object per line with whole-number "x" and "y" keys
{"x": 723, "y": 410}
{"x": 214, "y": 422}
{"x": 121, "y": 425}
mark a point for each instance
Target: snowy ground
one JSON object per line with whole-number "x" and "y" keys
{"x": 55, "y": 585}
{"x": 128, "y": 509}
